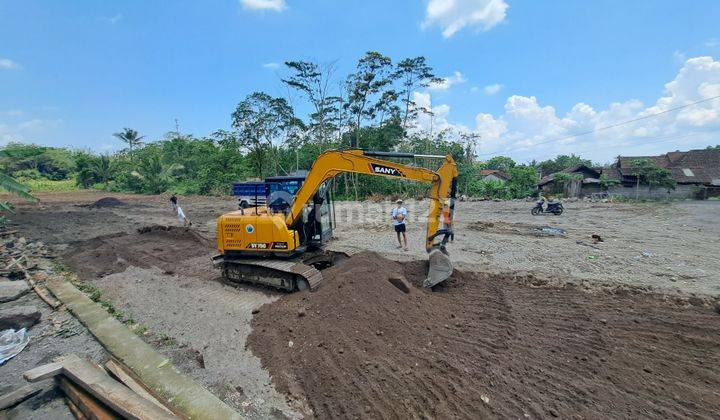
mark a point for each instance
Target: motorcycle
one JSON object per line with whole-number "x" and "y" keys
{"x": 554, "y": 207}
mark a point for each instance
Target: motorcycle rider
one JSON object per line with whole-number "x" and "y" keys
{"x": 545, "y": 201}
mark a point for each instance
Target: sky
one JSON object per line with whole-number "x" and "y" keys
{"x": 526, "y": 76}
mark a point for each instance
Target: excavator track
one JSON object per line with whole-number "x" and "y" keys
{"x": 287, "y": 274}
{"x": 290, "y": 274}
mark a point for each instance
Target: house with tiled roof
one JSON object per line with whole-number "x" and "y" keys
{"x": 494, "y": 175}
{"x": 697, "y": 173}
{"x": 586, "y": 182}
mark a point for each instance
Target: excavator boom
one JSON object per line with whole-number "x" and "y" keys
{"x": 331, "y": 163}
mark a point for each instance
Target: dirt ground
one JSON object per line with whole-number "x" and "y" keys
{"x": 486, "y": 346}
{"x": 164, "y": 280}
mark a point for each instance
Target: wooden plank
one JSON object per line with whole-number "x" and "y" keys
{"x": 52, "y": 302}
{"x": 74, "y": 409}
{"x": 19, "y": 395}
{"x": 43, "y": 372}
{"x": 122, "y": 374}
{"x": 116, "y": 396}
{"x": 85, "y": 403}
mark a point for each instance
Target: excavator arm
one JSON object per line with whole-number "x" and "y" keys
{"x": 331, "y": 163}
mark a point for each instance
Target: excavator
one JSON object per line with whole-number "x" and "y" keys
{"x": 281, "y": 244}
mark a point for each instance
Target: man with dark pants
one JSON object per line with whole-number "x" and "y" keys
{"x": 173, "y": 202}
{"x": 399, "y": 214}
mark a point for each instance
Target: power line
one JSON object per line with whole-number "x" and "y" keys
{"x": 652, "y": 141}
{"x": 607, "y": 127}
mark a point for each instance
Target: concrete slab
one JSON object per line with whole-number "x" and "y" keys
{"x": 155, "y": 370}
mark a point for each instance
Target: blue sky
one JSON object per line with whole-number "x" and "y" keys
{"x": 520, "y": 72}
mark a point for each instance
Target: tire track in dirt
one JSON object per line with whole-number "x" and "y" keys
{"x": 486, "y": 346}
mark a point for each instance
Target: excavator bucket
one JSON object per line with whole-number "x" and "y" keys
{"x": 440, "y": 268}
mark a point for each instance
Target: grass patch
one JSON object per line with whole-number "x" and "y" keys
{"x": 46, "y": 185}
{"x": 165, "y": 339}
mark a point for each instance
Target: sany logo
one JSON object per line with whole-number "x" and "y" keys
{"x": 385, "y": 170}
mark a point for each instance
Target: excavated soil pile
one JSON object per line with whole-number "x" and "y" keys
{"x": 485, "y": 346}
{"x": 106, "y": 202}
{"x": 151, "y": 246}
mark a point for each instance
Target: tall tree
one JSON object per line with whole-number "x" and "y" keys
{"x": 131, "y": 138}
{"x": 262, "y": 121}
{"x": 500, "y": 163}
{"x": 372, "y": 77}
{"x": 413, "y": 73}
{"x": 314, "y": 81}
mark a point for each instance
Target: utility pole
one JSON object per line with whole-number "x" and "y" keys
{"x": 177, "y": 127}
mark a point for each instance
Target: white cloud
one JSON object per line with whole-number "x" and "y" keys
{"x": 448, "y": 82}
{"x": 11, "y": 112}
{"x": 113, "y": 19}
{"x": 29, "y": 130}
{"x": 274, "y": 5}
{"x": 492, "y": 89}
{"x": 271, "y": 66}
{"x": 38, "y": 124}
{"x": 712, "y": 43}
{"x": 528, "y": 129}
{"x": 8, "y": 64}
{"x": 454, "y": 15}
{"x": 7, "y": 135}
{"x": 679, "y": 56}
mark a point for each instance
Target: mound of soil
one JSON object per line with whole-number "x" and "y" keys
{"x": 106, "y": 202}
{"x": 364, "y": 345}
{"x": 151, "y": 246}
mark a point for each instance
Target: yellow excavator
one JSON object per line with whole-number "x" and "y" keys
{"x": 281, "y": 244}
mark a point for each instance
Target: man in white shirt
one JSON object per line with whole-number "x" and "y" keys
{"x": 399, "y": 214}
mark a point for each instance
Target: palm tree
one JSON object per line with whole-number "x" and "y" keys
{"x": 155, "y": 176}
{"x": 131, "y": 138}
{"x": 12, "y": 186}
{"x": 101, "y": 169}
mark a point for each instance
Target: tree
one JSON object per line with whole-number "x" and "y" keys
{"x": 155, "y": 176}
{"x": 12, "y": 186}
{"x": 372, "y": 76}
{"x": 131, "y": 138}
{"x": 500, "y": 163}
{"x": 413, "y": 73}
{"x": 102, "y": 169}
{"x": 660, "y": 177}
{"x": 313, "y": 81}
{"x": 606, "y": 182}
{"x": 649, "y": 173}
{"x": 562, "y": 178}
{"x": 91, "y": 170}
{"x": 523, "y": 181}
{"x": 262, "y": 120}
{"x": 561, "y": 162}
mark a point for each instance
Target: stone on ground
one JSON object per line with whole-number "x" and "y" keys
{"x": 19, "y": 317}
{"x": 11, "y": 290}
